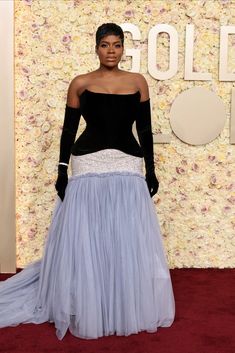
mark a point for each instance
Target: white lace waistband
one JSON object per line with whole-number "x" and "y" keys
{"x": 107, "y": 160}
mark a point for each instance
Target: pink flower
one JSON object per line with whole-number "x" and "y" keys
{"x": 36, "y": 36}
{"x": 22, "y": 94}
{"x": 161, "y": 88}
{"x": 230, "y": 186}
{"x": 204, "y": 209}
{"x": 76, "y": 3}
{"x": 195, "y": 167}
{"x": 180, "y": 170}
{"x": 213, "y": 179}
{"x": 34, "y": 189}
{"x": 33, "y": 161}
{"x": 231, "y": 199}
{"x": 35, "y": 26}
{"x": 129, "y": 13}
{"x": 148, "y": 10}
{"x": 172, "y": 180}
{"x": 25, "y": 71}
{"x": 31, "y": 119}
{"x": 31, "y": 233}
{"x": 211, "y": 158}
{"x": 28, "y": 2}
{"x": 66, "y": 39}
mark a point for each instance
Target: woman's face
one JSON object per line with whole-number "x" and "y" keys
{"x": 110, "y": 50}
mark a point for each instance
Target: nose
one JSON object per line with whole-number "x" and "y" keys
{"x": 111, "y": 49}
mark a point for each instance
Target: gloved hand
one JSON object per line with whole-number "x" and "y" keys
{"x": 70, "y": 127}
{"x": 152, "y": 183}
{"x": 62, "y": 181}
{"x": 144, "y": 131}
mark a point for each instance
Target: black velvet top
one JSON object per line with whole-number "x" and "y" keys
{"x": 109, "y": 119}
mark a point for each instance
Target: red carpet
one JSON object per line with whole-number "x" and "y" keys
{"x": 204, "y": 323}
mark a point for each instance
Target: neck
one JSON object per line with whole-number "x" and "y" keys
{"x": 108, "y": 71}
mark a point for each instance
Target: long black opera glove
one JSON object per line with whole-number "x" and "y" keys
{"x": 69, "y": 131}
{"x": 144, "y": 131}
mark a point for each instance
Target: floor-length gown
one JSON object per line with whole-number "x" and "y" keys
{"x": 103, "y": 270}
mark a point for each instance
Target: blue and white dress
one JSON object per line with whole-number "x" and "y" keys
{"x": 103, "y": 270}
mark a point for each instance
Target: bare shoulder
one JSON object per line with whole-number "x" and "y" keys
{"x": 75, "y": 88}
{"x": 80, "y": 80}
{"x": 142, "y": 86}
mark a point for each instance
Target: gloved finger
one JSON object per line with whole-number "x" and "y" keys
{"x": 61, "y": 195}
{"x": 154, "y": 190}
{"x": 153, "y": 193}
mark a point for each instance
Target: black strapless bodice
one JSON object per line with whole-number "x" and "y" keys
{"x": 109, "y": 119}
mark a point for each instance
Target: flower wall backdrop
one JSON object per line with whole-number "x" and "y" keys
{"x": 54, "y": 42}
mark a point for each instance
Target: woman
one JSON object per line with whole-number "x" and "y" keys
{"x": 103, "y": 271}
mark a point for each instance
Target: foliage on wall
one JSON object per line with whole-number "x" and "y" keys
{"x": 54, "y": 41}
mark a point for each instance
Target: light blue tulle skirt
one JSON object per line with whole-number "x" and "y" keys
{"x": 103, "y": 270}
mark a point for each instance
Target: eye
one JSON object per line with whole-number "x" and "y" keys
{"x": 118, "y": 45}
{"x": 103, "y": 45}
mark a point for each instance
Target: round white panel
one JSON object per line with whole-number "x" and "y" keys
{"x": 197, "y": 116}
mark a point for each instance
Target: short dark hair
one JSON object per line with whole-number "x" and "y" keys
{"x": 107, "y": 29}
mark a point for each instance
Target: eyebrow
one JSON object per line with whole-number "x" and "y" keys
{"x": 105, "y": 41}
